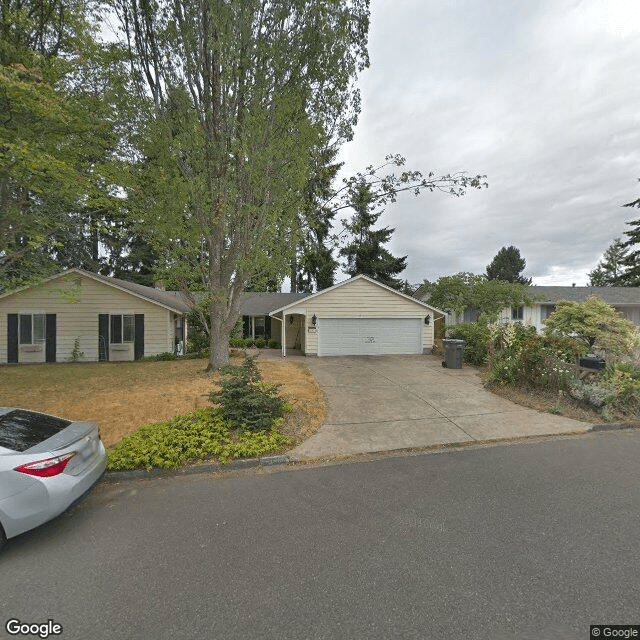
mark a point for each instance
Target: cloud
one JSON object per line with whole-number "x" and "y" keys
{"x": 540, "y": 97}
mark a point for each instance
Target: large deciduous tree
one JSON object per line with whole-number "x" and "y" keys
{"x": 487, "y": 298}
{"x": 240, "y": 91}
{"x": 58, "y": 133}
{"x": 508, "y": 265}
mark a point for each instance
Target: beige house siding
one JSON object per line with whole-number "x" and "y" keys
{"x": 358, "y": 299}
{"x": 77, "y": 301}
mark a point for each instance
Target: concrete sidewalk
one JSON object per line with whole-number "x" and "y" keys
{"x": 386, "y": 403}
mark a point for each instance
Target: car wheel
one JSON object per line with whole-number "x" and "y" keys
{"x": 3, "y": 538}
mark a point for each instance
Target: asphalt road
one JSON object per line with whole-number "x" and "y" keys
{"x": 534, "y": 540}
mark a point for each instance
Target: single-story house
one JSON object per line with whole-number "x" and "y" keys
{"x": 78, "y": 315}
{"x": 358, "y": 317}
{"x": 85, "y": 316}
{"x": 626, "y": 300}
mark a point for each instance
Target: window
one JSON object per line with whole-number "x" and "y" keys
{"x": 258, "y": 324}
{"x": 33, "y": 328}
{"x": 122, "y": 328}
{"x": 470, "y": 315}
{"x": 546, "y": 310}
{"x": 517, "y": 313}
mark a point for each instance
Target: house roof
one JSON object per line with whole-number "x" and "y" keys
{"x": 551, "y": 294}
{"x": 173, "y": 300}
{"x": 359, "y": 277}
{"x": 611, "y": 295}
{"x": 262, "y": 304}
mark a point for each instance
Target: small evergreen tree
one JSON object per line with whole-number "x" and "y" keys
{"x": 365, "y": 254}
{"x": 508, "y": 265}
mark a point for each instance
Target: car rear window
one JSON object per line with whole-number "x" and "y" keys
{"x": 20, "y": 430}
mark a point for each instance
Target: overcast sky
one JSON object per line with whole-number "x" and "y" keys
{"x": 542, "y": 96}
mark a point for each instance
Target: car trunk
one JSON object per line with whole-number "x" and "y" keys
{"x": 34, "y": 433}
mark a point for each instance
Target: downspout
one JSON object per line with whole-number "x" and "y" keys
{"x": 284, "y": 334}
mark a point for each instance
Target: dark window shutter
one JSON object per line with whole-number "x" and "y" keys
{"x": 138, "y": 345}
{"x": 26, "y": 328}
{"x": 103, "y": 337}
{"x": 267, "y": 327}
{"x": 50, "y": 346}
{"x": 246, "y": 327}
{"x": 12, "y": 337}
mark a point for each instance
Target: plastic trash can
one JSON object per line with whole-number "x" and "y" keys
{"x": 453, "y": 350}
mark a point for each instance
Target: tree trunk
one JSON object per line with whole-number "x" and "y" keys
{"x": 218, "y": 338}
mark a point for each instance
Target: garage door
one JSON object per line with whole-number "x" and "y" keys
{"x": 369, "y": 336}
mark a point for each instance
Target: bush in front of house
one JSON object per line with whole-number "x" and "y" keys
{"x": 249, "y": 342}
{"x": 518, "y": 356}
{"x": 273, "y": 344}
{"x": 260, "y": 343}
{"x": 245, "y": 402}
{"x": 165, "y": 356}
{"x": 196, "y": 436}
{"x": 616, "y": 390}
{"x": 236, "y": 343}
{"x": 477, "y": 337}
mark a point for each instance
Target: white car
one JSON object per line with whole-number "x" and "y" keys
{"x": 46, "y": 464}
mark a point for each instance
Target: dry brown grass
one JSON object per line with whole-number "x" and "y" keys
{"x": 121, "y": 397}
{"x": 303, "y": 392}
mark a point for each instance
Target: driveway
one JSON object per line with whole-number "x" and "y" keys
{"x": 383, "y": 403}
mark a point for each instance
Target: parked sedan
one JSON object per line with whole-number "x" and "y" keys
{"x": 46, "y": 464}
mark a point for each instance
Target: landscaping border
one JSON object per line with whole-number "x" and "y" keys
{"x": 232, "y": 465}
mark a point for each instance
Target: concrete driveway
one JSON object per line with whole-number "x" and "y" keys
{"x": 384, "y": 403}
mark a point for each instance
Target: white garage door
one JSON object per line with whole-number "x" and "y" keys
{"x": 369, "y": 336}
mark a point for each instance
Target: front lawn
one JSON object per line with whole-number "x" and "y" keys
{"x": 121, "y": 397}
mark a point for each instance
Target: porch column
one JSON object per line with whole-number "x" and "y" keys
{"x": 283, "y": 331}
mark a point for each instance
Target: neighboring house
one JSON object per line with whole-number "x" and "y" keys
{"x": 99, "y": 318}
{"x": 357, "y": 317}
{"x": 625, "y": 300}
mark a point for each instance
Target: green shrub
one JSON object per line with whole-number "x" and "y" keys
{"x": 165, "y": 356}
{"x": 237, "y": 343}
{"x": 477, "y": 337}
{"x": 260, "y": 343}
{"x": 196, "y": 436}
{"x": 249, "y": 342}
{"x": 519, "y": 356}
{"x": 76, "y": 354}
{"x": 245, "y": 401}
{"x": 624, "y": 381}
{"x": 273, "y": 343}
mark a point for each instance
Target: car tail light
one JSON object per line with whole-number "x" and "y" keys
{"x": 46, "y": 468}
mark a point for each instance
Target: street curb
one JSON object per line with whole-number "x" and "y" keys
{"x": 612, "y": 426}
{"x": 233, "y": 465}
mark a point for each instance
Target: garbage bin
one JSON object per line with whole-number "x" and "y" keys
{"x": 453, "y": 353}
